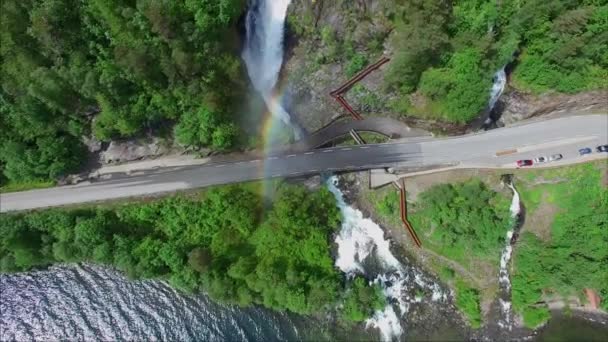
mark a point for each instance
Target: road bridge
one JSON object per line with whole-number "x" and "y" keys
{"x": 481, "y": 150}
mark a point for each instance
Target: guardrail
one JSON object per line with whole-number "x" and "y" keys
{"x": 337, "y": 94}
{"x": 406, "y": 222}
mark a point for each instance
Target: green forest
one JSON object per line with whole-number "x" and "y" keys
{"x": 116, "y": 69}
{"x": 448, "y": 51}
{"x": 465, "y": 222}
{"x": 574, "y": 256}
{"x": 128, "y": 69}
{"x": 218, "y": 242}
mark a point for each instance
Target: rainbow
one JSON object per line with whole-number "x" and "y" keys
{"x": 274, "y": 132}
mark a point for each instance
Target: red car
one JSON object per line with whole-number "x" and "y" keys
{"x": 524, "y": 162}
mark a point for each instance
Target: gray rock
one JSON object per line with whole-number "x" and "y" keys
{"x": 517, "y": 106}
{"x": 119, "y": 152}
{"x": 311, "y": 77}
{"x": 92, "y": 144}
{"x": 313, "y": 183}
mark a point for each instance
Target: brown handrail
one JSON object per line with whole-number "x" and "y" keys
{"x": 350, "y": 109}
{"x": 404, "y": 219}
{"x": 337, "y": 94}
{"x": 359, "y": 76}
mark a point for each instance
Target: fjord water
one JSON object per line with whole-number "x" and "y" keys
{"x": 86, "y": 302}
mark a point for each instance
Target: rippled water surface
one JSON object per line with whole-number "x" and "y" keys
{"x": 90, "y": 302}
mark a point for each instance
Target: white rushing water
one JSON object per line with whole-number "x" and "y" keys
{"x": 503, "y": 278}
{"x": 361, "y": 239}
{"x": 500, "y": 80}
{"x": 263, "y": 52}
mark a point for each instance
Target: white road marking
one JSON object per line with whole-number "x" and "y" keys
{"x": 315, "y": 170}
{"x": 346, "y": 149}
{"x": 255, "y": 161}
{"x": 554, "y": 143}
{"x": 309, "y": 153}
{"x": 326, "y": 151}
{"x": 364, "y": 147}
{"x": 273, "y": 158}
{"x": 221, "y": 165}
{"x": 276, "y": 175}
{"x": 291, "y": 155}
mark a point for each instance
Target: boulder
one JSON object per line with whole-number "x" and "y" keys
{"x": 119, "y": 152}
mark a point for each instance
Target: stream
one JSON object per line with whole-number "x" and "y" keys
{"x": 504, "y": 280}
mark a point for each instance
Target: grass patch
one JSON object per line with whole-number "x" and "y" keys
{"x": 368, "y": 138}
{"x": 23, "y": 186}
{"x": 467, "y": 301}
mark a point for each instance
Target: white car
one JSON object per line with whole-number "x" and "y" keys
{"x": 556, "y": 157}
{"x": 540, "y": 160}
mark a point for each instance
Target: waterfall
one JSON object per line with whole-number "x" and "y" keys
{"x": 363, "y": 250}
{"x": 499, "y": 82}
{"x": 503, "y": 279}
{"x": 263, "y": 51}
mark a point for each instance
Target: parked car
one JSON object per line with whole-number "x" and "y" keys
{"x": 602, "y": 148}
{"x": 584, "y": 151}
{"x": 524, "y": 162}
{"x": 540, "y": 160}
{"x": 556, "y": 157}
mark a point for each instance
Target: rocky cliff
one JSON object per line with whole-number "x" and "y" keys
{"x": 328, "y": 41}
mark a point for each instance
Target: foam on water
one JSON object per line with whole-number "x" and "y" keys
{"x": 504, "y": 279}
{"x": 498, "y": 86}
{"x": 515, "y": 203}
{"x": 361, "y": 238}
{"x": 387, "y": 322}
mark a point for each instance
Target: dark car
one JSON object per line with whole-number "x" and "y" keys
{"x": 584, "y": 151}
{"x": 524, "y": 162}
{"x": 602, "y": 148}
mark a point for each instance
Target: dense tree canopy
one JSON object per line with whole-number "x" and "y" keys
{"x": 362, "y": 301}
{"x": 220, "y": 243}
{"x": 448, "y": 51}
{"x": 463, "y": 220}
{"x": 135, "y": 65}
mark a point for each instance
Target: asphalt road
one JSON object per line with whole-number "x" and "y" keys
{"x": 542, "y": 138}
